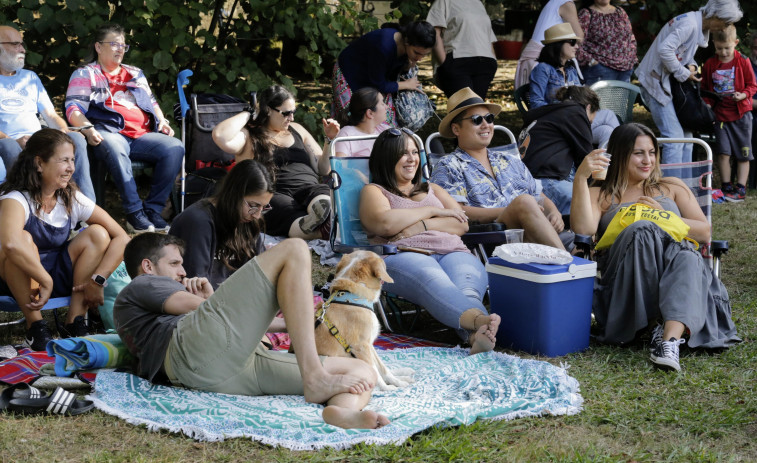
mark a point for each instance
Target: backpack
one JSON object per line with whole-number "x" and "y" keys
{"x": 693, "y": 113}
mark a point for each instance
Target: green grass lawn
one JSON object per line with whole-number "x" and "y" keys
{"x": 632, "y": 412}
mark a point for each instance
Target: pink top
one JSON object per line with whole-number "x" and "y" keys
{"x": 358, "y": 147}
{"x": 433, "y": 240}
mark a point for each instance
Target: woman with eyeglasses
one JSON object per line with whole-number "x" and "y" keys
{"x": 435, "y": 269}
{"x": 301, "y": 204}
{"x": 377, "y": 59}
{"x": 225, "y": 231}
{"x": 122, "y": 120}
{"x": 366, "y": 116}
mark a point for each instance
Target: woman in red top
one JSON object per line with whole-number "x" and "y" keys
{"x": 608, "y": 51}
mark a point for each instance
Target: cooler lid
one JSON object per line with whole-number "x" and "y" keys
{"x": 578, "y": 266}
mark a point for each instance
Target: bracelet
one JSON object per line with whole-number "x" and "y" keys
{"x": 424, "y": 225}
{"x": 328, "y": 140}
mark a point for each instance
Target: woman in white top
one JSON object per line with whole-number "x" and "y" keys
{"x": 365, "y": 116}
{"x": 554, "y": 12}
{"x": 39, "y": 206}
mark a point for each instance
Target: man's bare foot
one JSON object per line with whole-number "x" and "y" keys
{"x": 319, "y": 389}
{"x": 482, "y": 340}
{"x": 353, "y": 419}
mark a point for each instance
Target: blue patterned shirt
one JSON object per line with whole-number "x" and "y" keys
{"x": 468, "y": 182}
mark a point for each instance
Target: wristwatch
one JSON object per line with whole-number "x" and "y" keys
{"x": 100, "y": 280}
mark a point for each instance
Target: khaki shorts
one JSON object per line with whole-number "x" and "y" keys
{"x": 217, "y": 347}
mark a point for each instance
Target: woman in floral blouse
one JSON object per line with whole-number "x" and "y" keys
{"x": 608, "y": 51}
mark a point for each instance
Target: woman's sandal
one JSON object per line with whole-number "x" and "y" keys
{"x": 19, "y": 391}
{"x": 60, "y": 402}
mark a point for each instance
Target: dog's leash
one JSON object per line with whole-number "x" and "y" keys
{"x": 342, "y": 297}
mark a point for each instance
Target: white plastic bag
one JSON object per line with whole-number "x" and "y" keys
{"x": 532, "y": 253}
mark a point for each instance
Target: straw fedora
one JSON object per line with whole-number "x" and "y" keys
{"x": 559, "y": 33}
{"x": 459, "y": 102}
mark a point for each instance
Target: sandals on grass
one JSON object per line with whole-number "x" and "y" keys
{"x": 27, "y": 400}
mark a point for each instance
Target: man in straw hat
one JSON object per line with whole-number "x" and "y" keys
{"x": 492, "y": 185}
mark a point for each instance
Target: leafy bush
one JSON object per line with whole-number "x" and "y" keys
{"x": 232, "y": 51}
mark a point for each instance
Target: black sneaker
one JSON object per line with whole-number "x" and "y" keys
{"x": 656, "y": 338}
{"x": 157, "y": 220}
{"x": 665, "y": 354}
{"x": 38, "y": 335}
{"x": 75, "y": 329}
{"x": 137, "y": 222}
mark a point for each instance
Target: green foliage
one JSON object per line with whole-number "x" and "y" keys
{"x": 232, "y": 47}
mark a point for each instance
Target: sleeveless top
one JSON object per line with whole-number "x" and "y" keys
{"x": 433, "y": 240}
{"x": 667, "y": 203}
{"x": 295, "y": 165}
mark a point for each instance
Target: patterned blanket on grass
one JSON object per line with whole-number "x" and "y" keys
{"x": 451, "y": 389}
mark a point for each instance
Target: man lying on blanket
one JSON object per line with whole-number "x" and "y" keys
{"x": 180, "y": 330}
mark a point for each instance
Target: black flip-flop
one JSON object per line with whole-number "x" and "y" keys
{"x": 19, "y": 391}
{"x": 60, "y": 402}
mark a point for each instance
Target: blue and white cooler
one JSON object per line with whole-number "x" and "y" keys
{"x": 545, "y": 308}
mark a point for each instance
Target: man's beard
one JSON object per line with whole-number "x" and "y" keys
{"x": 12, "y": 63}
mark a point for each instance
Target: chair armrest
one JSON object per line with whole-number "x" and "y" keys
{"x": 719, "y": 247}
{"x": 487, "y": 237}
{"x": 380, "y": 249}
{"x": 485, "y": 227}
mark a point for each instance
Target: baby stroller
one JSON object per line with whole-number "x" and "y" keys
{"x": 204, "y": 162}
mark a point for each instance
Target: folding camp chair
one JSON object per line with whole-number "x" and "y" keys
{"x": 347, "y": 177}
{"x": 8, "y": 304}
{"x": 617, "y": 96}
{"x": 698, "y": 177}
{"x": 522, "y": 98}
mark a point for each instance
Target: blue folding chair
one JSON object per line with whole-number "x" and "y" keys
{"x": 8, "y": 304}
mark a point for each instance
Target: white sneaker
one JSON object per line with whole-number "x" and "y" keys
{"x": 665, "y": 354}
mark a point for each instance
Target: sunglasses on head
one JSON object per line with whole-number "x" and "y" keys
{"x": 397, "y": 132}
{"x": 479, "y": 119}
{"x": 572, "y": 42}
{"x": 284, "y": 113}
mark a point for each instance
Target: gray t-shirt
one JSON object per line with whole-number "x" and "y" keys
{"x": 142, "y": 322}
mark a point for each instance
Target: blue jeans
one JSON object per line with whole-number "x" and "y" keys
{"x": 444, "y": 284}
{"x": 593, "y": 74}
{"x": 160, "y": 150}
{"x": 667, "y": 122}
{"x": 10, "y": 149}
{"x": 559, "y": 192}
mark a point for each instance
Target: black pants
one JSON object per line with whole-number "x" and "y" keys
{"x": 476, "y": 72}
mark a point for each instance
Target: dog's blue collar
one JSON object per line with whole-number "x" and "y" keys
{"x": 346, "y": 297}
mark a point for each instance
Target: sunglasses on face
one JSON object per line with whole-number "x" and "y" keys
{"x": 285, "y": 113}
{"x": 479, "y": 119}
{"x": 572, "y": 42}
{"x": 254, "y": 208}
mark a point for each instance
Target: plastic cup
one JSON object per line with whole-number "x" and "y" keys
{"x": 514, "y": 235}
{"x": 601, "y": 174}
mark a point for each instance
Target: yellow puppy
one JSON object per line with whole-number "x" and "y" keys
{"x": 346, "y": 324}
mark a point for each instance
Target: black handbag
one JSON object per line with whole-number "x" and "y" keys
{"x": 693, "y": 113}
